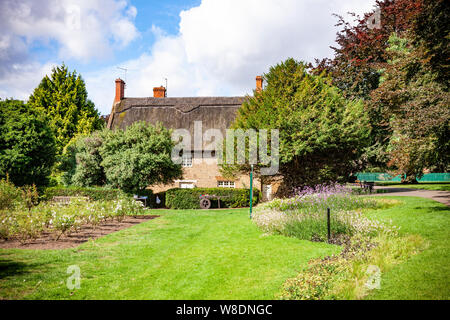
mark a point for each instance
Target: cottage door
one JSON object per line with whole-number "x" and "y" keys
{"x": 267, "y": 192}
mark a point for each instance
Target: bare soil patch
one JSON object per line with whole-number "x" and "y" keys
{"x": 47, "y": 239}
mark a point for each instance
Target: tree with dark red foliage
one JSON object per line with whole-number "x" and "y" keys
{"x": 361, "y": 48}
{"x": 361, "y": 59}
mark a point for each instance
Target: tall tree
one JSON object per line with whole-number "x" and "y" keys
{"x": 361, "y": 56}
{"x": 138, "y": 157}
{"x": 361, "y": 44}
{"x": 63, "y": 97}
{"x": 415, "y": 105}
{"x": 27, "y": 144}
{"x": 431, "y": 31}
{"x": 321, "y": 132}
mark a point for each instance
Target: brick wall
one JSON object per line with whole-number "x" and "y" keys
{"x": 205, "y": 173}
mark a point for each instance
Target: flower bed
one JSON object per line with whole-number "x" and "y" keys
{"x": 25, "y": 224}
{"x": 304, "y": 215}
{"x": 370, "y": 247}
{"x": 353, "y": 273}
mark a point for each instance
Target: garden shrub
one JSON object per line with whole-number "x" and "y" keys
{"x": 94, "y": 193}
{"x": 178, "y": 198}
{"x": 29, "y": 196}
{"x": 9, "y": 194}
{"x": 12, "y": 197}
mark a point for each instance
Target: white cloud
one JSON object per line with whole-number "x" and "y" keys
{"x": 23, "y": 79}
{"x": 82, "y": 29}
{"x": 221, "y": 47}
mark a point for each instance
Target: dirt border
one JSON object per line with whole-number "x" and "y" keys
{"x": 47, "y": 241}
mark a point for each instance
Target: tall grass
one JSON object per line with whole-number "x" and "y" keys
{"x": 305, "y": 214}
{"x": 319, "y": 198}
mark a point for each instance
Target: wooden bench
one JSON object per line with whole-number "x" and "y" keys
{"x": 367, "y": 185}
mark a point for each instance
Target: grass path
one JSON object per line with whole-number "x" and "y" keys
{"x": 426, "y": 275}
{"x": 182, "y": 255}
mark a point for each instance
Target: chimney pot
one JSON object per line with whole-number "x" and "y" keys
{"x": 259, "y": 83}
{"x": 120, "y": 90}
{"x": 159, "y": 92}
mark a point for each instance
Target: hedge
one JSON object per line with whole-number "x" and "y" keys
{"x": 178, "y": 198}
{"x": 94, "y": 193}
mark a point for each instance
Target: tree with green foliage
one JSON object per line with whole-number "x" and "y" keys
{"x": 414, "y": 103}
{"x": 63, "y": 97}
{"x": 81, "y": 161}
{"x": 431, "y": 31}
{"x": 138, "y": 157}
{"x": 27, "y": 144}
{"x": 321, "y": 133}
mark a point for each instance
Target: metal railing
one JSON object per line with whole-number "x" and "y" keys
{"x": 385, "y": 177}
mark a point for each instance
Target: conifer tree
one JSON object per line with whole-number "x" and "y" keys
{"x": 62, "y": 96}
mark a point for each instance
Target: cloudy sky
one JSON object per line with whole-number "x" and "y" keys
{"x": 203, "y": 47}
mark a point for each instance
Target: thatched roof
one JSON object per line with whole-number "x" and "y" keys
{"x": 177, "y": 113}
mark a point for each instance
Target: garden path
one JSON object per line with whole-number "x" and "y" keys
{"x": 440, "y": 196}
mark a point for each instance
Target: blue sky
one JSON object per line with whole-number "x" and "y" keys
{"x": 203, "y": 47}
{"x": 164, "y": 14}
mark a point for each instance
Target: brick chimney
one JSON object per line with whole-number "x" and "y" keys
{"x": 259, "y": 83}
{"x": 120, "y": 90}
{"x": 159, "y": 92}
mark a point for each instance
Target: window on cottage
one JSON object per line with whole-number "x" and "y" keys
{"x": 225, "y": 184}
{"x": 186, "y": 161}
{"x": 186, "y": 185}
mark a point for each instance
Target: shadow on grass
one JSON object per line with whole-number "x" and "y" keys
{"x": 10, "y": 268}
{"x": 435, "y": 208}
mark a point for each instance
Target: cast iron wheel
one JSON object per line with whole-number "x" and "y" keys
{"x": 205, "y": 203}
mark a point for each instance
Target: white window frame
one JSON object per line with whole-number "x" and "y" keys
{"x": 186, "y": 182}
{"x": 226, "y": 184}
{"x": 187, "y": 185}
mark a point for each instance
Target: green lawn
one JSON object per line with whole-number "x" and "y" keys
{"x": 426, "y": 275}
{"x": 186, "y": 254}
{"x": 218, "y": 254}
